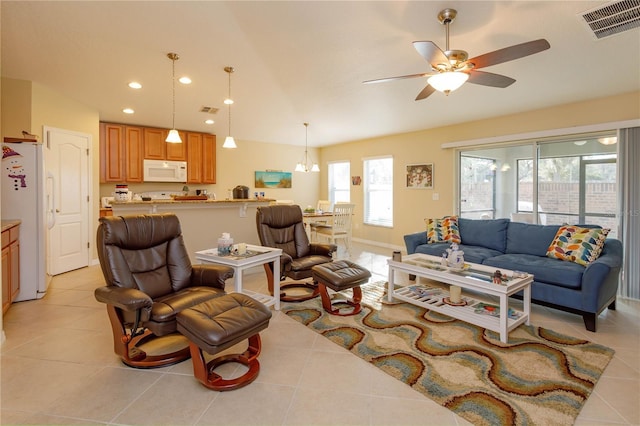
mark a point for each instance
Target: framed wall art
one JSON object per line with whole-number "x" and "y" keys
{"x": 420, "y": 176}
{"x": 273, "y": 179}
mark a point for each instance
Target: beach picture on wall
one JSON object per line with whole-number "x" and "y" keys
{"x": 420, "y": 176}
{"x": 273, "y": 179}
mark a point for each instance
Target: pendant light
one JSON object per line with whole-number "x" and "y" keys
{"x": 173, "y": 136}
{"x": 303, "y": 166}
{"x": 229, "y": 142}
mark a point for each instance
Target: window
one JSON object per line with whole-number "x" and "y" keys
{"x": 564, "y": 180}
{"x": 339, "y": 182}
{"x": 378, "y": 191}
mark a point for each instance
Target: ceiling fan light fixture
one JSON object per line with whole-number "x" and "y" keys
{"x": 447, "y": 82}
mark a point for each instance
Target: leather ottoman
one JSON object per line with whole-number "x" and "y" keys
{"x": 218, "y": 324}
{"x": 338, "y": 276}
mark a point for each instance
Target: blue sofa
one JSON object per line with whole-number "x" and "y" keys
{"x": 520, "y": 246}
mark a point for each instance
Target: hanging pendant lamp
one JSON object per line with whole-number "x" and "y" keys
{"x": 303, "y": 166}
{"x": 229, "y": 142}
{"x": 173, "y": 136}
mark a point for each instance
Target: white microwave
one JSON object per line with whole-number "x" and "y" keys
{"x": 165, "y": 171}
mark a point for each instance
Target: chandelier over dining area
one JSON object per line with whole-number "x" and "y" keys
{"x": 304, "y": 165}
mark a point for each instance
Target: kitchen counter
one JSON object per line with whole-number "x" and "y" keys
{"x": 203, "y": 221}
{"x": 8, "y": 224}
{"x": 167, "y": 201}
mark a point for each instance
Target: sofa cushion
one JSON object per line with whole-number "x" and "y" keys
{"x": 524, "y": 238}
{"x": 577, "y": 244}
{"x": 473, "y": 254}
{"x": 544, "y": 269}
{"x": 490, "y": 233}
{"x": 443, "y": 230}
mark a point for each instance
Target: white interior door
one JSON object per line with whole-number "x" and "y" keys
{"x": 67, "y": 167}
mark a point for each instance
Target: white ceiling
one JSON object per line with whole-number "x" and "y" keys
{"x": 304, "y": 61}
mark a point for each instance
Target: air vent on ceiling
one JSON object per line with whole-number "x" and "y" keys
{"x": 612, "y": 18}
{"x": 209, "y": 110}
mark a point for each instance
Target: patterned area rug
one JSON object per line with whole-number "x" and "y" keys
{"x": 539, "y": 378}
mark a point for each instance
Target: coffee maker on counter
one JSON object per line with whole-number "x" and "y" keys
{"x": 241, "y": 192}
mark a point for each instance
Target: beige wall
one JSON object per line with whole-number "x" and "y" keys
{"x": 16, "y": 107}
{"x": 412, "y": 206}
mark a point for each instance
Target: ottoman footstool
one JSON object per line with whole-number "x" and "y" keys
{"x": 218, "y": 324}
{"x": 338, "y": 276}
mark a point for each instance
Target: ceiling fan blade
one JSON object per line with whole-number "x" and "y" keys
{"x": 510, "y": 53}
{"x": 432, "y": 53}
{"x": 490, "y": 79}
{"x": 400, "y": 77}
{"x": 428, "y": 90}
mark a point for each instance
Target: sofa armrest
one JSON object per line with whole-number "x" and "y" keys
{"x": 412, "y": 241}
{"x": 600, "y": 278}
{"x": 208, "y": 275}
{"x": 127, "y": 299}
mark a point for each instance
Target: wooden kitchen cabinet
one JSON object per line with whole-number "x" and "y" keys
{"x": 10, "y": 266}
{"x": 111, "y": 153}
{"x": 134, "y": 150}
{"x": 121, "y": 151}
{"x": 201, "y": 158}
{"x": 155, "y": 147}
{"x": 154, "y": 144}
{"x": 177, "y": 151}
{"x": 208, "y": 158}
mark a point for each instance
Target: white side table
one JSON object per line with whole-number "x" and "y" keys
{"x": 256, "y": 255}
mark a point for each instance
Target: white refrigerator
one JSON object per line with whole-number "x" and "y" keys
{"x": 24, "y": 197}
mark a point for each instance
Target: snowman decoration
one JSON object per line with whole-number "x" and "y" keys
{"x": 455, "y": 257}
{"x": 12, "y": 162}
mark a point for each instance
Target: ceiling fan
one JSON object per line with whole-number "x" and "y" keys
{"x": 450, "y": 69}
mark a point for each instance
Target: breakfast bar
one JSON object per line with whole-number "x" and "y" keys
{"x": 203, "y": 221}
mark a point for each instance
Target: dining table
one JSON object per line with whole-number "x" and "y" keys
{"x": 315, "y": 217}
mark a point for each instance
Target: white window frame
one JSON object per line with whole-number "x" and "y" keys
{"x": 372, "y": 217}
{"x": 338, "y": 185}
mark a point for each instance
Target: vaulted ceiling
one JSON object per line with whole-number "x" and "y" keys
{"x": 304, "y": 61}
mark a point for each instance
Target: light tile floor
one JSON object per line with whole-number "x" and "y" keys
{"x": 58, "y": 367}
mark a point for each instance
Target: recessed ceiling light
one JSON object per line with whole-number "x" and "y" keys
{"x": 580, "y": 143}
{"x": 184, "y": 80}
{"x": 128, "y": 111}
{"x": 209, "y": 121}
{"x": 135, "y": 85}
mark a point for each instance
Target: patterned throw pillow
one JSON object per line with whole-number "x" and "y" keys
{"x": 443, "y": 230}
{"x": 577, "y": 244}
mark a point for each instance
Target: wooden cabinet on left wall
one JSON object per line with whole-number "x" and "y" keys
{"x": 10, "y": 265}
{"x": 121, "y": 153}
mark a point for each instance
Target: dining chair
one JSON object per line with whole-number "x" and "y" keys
{"x": 323, "y": 205}
{"x": 338, "y": 225}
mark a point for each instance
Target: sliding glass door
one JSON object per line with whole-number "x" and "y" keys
{"x": 568, "y": 180}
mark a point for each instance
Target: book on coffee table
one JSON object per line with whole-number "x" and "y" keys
{"x": 494, "y": 310}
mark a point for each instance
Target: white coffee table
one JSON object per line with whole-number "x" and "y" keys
{"x": 477, "y": 278}
{"x": 256, "y": 256}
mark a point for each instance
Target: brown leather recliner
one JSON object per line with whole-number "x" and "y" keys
{"x": 281, "y": 226}
{"x": 150, "y": 280}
